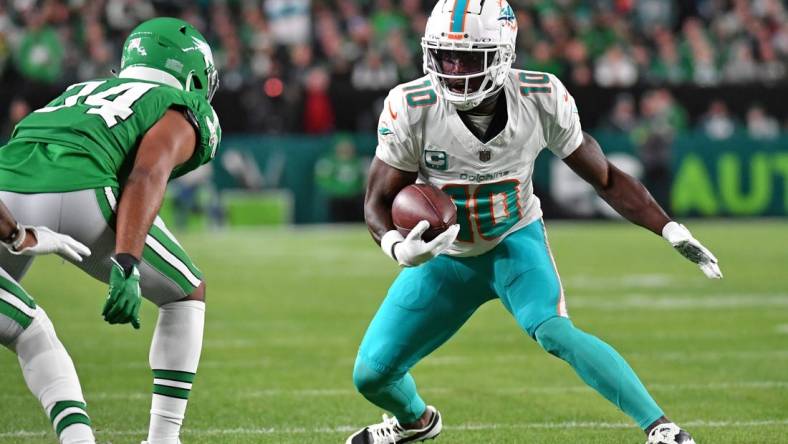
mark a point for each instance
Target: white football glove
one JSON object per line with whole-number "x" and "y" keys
{"x": 411, "y": 251}
{"x": 49, "y": 241}
{"x": 679, "y": 236}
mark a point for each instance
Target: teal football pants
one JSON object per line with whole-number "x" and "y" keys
{"x": 426, "y": 305}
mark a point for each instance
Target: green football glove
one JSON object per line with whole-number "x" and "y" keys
{"x": 123, "y": 301}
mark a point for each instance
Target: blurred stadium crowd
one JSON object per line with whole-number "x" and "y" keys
{"x": 315, "y": 66}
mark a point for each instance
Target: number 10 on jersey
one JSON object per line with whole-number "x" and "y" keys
{"x": 494, "y": 207}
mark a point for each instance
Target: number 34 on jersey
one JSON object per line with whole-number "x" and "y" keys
{"x": 123, "y": 97}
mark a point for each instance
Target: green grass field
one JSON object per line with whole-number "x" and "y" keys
{"x": 287, "y": 309}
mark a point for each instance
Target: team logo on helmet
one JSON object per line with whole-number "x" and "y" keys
{"x": 136, "y": 44}
{"x": 507, "y": 14}
{"x": 507, "y": 18}
{"x": 204, "y": 49}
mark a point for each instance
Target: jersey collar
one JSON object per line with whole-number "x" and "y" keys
{"x": 465, "y": 136}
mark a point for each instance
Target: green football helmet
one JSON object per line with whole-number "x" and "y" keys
{"x": 174, "y": 47}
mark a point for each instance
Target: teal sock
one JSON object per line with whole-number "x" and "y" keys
{"x": 601, "y": 367}
{"x": 391, "y": 391}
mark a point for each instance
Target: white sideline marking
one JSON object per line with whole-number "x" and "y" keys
{"x": 143, "y": 365}
{"x": 763, "y": 385}
{"x": 453, "y": 360}
{"x": 701, "y": 423}
{"x": 681, "y": 302}
{"x": 318, "y": 393}
{"x": 687, "y": 356}
{"x": 782, "y": 328}
{"x": 229, "y": 343}
{"x": 626, "y": 281}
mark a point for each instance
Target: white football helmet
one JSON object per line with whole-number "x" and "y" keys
{"x": 476, "y": 39}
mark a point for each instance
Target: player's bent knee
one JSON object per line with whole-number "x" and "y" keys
{"x": 37, "y": 337}
{"x": 10, "y": 330}
{"x": 369, "y": 380}
{"x": 555, "y": 334}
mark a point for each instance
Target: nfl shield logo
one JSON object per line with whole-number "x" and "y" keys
{"x": 485, "y": 155}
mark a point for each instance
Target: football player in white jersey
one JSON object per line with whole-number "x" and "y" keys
{"x": 473, "y": 126}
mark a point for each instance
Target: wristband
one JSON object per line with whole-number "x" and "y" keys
{"x": 389, "y": 241}
{"x": 674, "y": 232}
{"x": 16, "y": 238}
{"x": 127, "y": 262}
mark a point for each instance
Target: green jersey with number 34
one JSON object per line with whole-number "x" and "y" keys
{"x": 88, "y": 136}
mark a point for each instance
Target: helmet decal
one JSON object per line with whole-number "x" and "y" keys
{"x": 458, "y": 15}
{"x": 507, "y": 14}
{"x": 203, "y": 47}
{"x": 174, "y": 65}
{"x": 135, "y": 44}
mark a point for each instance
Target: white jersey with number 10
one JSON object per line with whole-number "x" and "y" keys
{"x": 490, "y": 182}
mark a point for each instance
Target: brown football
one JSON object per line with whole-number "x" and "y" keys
{"x": 419, "y": 202}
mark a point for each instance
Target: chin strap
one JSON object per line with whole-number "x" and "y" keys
{"x": 492, "y": 96}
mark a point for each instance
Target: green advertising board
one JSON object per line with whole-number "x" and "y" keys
{"x": 738, "y": 176}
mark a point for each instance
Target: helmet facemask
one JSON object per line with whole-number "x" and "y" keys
{"x": 466, "y": 73}
{"x": 213, "y": 81}
{"x": 211, "y": 76}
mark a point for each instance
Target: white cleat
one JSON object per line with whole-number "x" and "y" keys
{"x": 391, "y": 432}
{"x": 669, "y": 433}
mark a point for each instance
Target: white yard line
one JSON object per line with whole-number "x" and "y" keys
{"x": 700, "y": 423}
{"x": 683, "y": 356}
{"x": 454, "y": 360}
{"x": 680, "y": 302}
{"x": 587, "y": 282}
{"x": 329, "y": 392}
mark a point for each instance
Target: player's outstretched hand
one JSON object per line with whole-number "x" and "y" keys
{"x": 48, "y": 241}
{"x": 123, "y": 301}
{"x": 413, "y": 251}
{"x": 679, "y": 236}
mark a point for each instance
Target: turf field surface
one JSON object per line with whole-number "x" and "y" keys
{"x": 287, "y": 309}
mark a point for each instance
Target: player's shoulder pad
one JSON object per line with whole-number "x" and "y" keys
{"x": 200, "y": 114}
{"x": 205, "y": 119}
{"x": 405, "y": 106}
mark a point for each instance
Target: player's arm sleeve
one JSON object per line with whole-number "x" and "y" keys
{"x": 563, "y": 132}
{"x": 396, "y": 146}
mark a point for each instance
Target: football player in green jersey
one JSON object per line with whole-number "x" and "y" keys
{"x": 95, "y": 162}
{"x": 27, "y": 331}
